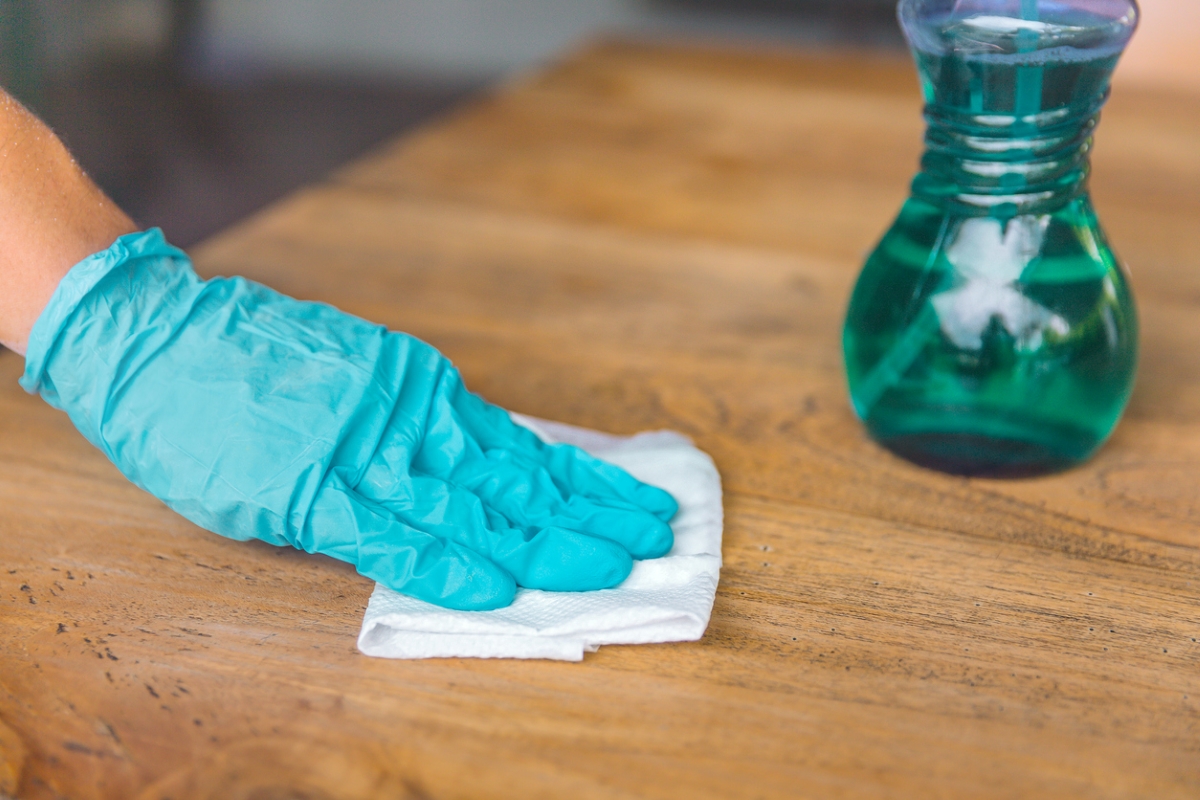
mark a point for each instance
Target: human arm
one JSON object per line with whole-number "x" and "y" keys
{"x": 258, "y": 416}
{"x": 51, "y": 217}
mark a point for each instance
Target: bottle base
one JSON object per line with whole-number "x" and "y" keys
{"x": 981, "y": 456}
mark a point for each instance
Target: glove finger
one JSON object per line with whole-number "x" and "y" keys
{"x": 561, "y": 560}
{"x": 526, "y": 494}
{"x": 403, "y": 558}
{"x": 541, "y": 557}
{"x": 491, "y": 428}
{"x": 591, "y": 477}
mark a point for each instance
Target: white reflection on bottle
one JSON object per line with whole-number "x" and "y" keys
{"x": 989, "y": 257}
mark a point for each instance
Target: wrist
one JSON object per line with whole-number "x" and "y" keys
{"x": 51, "y": 218}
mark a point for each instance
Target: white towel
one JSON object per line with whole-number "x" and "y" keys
{"x": 668, "y": 599}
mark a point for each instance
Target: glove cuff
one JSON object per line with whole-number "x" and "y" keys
{"x": 75, "y": 286}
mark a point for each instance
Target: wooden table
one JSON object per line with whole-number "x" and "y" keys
{"x": 646, "y": 237}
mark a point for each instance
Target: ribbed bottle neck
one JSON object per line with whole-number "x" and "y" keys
{"x": 1002, "y": 165}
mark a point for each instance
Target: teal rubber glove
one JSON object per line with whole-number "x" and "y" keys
{"x": 258, "y": 416}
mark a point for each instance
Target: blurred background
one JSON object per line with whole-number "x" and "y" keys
{"x": 194, "y": 113}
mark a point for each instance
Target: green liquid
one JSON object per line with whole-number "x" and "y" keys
{"x": 992, "y": 332}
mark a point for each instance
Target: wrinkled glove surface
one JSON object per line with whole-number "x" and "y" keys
{"x": 258, "y": 416}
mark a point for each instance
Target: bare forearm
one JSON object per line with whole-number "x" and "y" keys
{"x": 51, "y": 217}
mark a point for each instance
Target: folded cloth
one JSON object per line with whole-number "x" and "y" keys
{"x": 667, "y": 599}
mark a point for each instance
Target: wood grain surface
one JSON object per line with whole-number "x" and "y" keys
{"x": 648, "y": 237}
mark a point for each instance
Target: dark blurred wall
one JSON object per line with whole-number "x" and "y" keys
{"x": 480, "y": 38}
{"x": 194, "y": 113}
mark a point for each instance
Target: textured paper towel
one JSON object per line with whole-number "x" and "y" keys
{"x": 667, "y": 599}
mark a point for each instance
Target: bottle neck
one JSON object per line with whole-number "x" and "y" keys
{"x": 988, "y": 164}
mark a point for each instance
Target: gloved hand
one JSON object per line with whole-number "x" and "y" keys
{"x": 256, "y": 415}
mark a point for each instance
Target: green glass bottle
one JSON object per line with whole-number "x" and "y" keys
{"x": 992, "y": 332}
